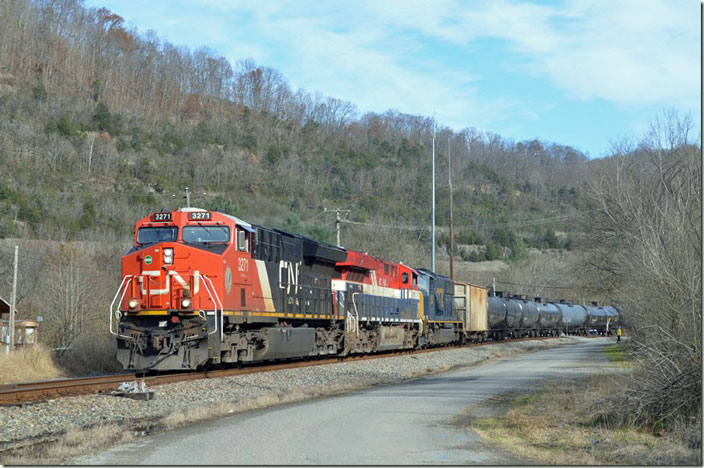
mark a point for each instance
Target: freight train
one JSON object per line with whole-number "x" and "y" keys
{"x": 202, "y": 288}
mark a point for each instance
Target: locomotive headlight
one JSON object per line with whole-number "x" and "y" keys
{"x": 168, "y": 256}
{"x": 185, "y": 303}
{"x": 133, "y": 303}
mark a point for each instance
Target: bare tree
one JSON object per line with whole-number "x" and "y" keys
{"x": 68, "y": 302}
{"x": 647, "y": 253}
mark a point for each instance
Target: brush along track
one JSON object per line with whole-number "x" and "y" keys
{"x": 21, "y": 393}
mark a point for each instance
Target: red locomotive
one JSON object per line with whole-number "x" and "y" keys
{"x": 201, "y": 287}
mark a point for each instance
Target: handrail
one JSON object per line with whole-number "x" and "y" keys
{"x": 207, "y": 281}
{"x": 356, "y": 314}
{"x": 123, "y": 287}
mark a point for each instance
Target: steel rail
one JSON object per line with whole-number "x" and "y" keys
{"x": 26, "y": 392}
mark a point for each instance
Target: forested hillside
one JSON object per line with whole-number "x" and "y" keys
{"x": 101, "y": 124}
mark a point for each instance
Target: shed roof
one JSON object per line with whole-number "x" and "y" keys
{"x": 4, "y": 306}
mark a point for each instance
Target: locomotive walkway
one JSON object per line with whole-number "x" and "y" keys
{"x": 406, "y": 424}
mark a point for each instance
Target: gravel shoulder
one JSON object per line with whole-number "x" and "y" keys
{"x": 180, "y": 403}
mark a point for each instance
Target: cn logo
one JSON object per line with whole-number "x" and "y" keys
{"x": 288, "y": 275}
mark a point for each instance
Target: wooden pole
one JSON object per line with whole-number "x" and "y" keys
{"x": 13, "y": 300}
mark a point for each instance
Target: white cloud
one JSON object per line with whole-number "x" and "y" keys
{"x": 375, "y": 54}
{"x": 626, "y": 52}
{"x": 631, "y": 53}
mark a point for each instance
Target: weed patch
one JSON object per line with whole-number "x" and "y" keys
{"x": 554, "y": 425}
{"x": 74, "y": 443}
{"x": 27, "y": 365}
{"x": 618, "y": 355}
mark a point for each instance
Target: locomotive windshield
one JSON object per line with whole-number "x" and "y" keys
{"x": 206, "y": 234}
{"x": 153, "y": 235}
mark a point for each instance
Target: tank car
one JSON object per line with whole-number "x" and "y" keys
{"x": 497, "y": 316}
{"x": 573, "y": 318}
{"x": 529, "y": 325}
{"x": 514, "y": 316}
{"x": 613, "y": 318}
{"x": 598, "y": 319}
{"x": 548, "y": 318}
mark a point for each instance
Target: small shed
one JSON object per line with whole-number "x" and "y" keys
{"x": 25, "y": 330}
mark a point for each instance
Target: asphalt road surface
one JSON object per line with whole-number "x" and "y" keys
{"x": 404, "y": 424}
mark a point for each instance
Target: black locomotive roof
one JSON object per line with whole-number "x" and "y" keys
{"x": 315, "y": 249}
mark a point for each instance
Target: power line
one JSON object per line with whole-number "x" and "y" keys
{"x": 532, "y": 222}
{"x": 409, "y": 228}
{"x": 542, "y": 286}
{"x": 526, "y": 222}
{"x": 316, "y": 216}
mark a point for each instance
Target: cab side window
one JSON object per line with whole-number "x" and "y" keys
{"x": 404, "y": 278}
{"x": 242, "y": 240}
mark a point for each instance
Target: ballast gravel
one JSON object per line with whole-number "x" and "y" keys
{"x": 180, "y": 402}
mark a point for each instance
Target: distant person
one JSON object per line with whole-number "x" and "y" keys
{"x": 618, "y": 335}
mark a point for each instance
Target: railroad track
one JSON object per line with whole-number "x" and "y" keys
{"x": 20, "y": 393}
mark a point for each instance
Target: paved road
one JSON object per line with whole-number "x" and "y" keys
{"x": 404, "y": 424}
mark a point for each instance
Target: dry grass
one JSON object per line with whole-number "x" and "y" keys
{"x": 555, "y": 427}
{"x": 75, "y": 443}
{"x": 27, "y": 365}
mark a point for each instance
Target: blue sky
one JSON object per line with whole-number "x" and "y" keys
{"x": 576, "y": 72}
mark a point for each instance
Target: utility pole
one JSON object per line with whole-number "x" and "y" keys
{"x": 337, "y": 227}
{"x": 338, "y": 220}
{"x": 452, "y": 233}
{"x": 432, "y": 248}
{"x": 13, "y": 301}
{"x": 188, "y": 199}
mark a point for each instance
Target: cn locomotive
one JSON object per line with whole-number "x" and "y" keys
{"x": 202, "y": 288}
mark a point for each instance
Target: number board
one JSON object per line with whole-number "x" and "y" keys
{"x": 161, "y": 217}
{"x": 199, "y": 215}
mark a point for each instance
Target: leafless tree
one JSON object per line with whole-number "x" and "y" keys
{"x": 646, "y": 251}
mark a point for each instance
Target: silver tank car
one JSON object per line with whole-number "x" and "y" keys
{"x": 549, "y": 317}
{"x": 614, "y": 314}
{"x": 573, "y": 317}
{"x": 598, "y": 318}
